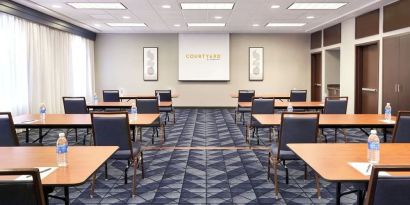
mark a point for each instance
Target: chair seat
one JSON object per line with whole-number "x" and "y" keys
{"x": 244, "y": 109}
{"x": 255, "y": 123}
{"x": 165, "y": 109}
{"x": 125, "y": 154}
{"x": 283, "y": 154}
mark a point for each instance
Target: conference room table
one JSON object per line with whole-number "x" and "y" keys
{"x": 67, "y": 121}
{"x": 83, "y": 162}
{"x": 295, "y": 105}
{"x": 338, "y": 121}
{"x": 267, "y": 95}
{"x": 142, "y": 96}
{"x": 121, "y": 105}
{"x": 333, "y": 161}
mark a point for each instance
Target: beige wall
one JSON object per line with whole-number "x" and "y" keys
{"x": 119, "y": 66}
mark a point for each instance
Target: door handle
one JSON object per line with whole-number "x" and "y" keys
{"x": 398, "y": 88}
{"x": 369, "y": 89}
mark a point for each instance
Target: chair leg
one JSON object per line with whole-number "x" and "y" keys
{"x": 270, "y": 134}
{"x": 140, "y": 131}
{"x": 323, "y": 133}
{"x": 269, "y": 165}
{"x": 344, "y": 134}
{"x": 106, "y": 170}
{"x": 174, "y": 116}
{"x": 134, "y": 179}
{"x": 317, "y": 179}
{"x": 76, "y": 134}
{"x": 305, "y": 170}
{"x": 126, "y": 172}
{"x": 142, "y": 164}
{"x": 286, "y": 171}
{"x": 335, "y": 135}
{"x": 93, "y": 186}
{"x": 235, "y": 115}
{"x": 275, "y": 177}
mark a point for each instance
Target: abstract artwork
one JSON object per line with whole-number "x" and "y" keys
{"x": 255, "y": 64}
{"x": 150, "y": 63}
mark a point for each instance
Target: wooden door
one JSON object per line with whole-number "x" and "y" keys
{"x": 391, "y": 56}
{"x": 404, "y": 74}
{"x": 367, "y": 78}
{"x": 316, "y": 77}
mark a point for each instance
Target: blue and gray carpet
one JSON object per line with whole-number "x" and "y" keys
{"x": 185, "y": 174}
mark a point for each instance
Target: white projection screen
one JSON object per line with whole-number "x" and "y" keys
{"x": 204, "y": 57}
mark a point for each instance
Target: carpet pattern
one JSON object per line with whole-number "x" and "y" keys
{"x": 177, "y": 175}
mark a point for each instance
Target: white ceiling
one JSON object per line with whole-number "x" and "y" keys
{"x": 238, "y": 20}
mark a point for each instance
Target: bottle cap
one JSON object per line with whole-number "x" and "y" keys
{"x": 373, "y": 132}
{"x": 61, "y": 135}
{"x": 388, "y": 103}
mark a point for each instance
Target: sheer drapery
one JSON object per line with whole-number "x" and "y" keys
{"x": 42, "y": 65}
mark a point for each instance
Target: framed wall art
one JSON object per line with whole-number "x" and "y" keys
{"x": 150, "y": 60}
{"x": 255, "y": 63}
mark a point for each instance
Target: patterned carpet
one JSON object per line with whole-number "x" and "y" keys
{"x": 194, "y": 176}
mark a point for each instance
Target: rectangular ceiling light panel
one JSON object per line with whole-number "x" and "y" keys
{"x": 316, "y": 6}
{"x": 207, "y": 6}
{"x": 206, "y": 24}
{"x": 95, "y": 5}
{"x": 127, "y": 24}
{"x": 285, "y": 24}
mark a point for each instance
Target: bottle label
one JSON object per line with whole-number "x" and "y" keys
{"x": 61, "y": 149}
{"x": 373, "y": 146}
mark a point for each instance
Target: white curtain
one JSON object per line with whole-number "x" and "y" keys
{"x": 44, "y": 65}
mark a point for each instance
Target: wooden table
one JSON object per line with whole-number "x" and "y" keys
{"x": 83, "y": 161}
{"x": 121, "y": 105}
{"x": 295, "y": 105}
{"x": 66, "y": 121}
{"x": 142, "y": 96}
{"x": 266, "y": 95}
{"x": 337, "y": 121}
{"x": 330, "y": 161}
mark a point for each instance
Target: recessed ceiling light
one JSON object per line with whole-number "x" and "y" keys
{"x": 208, "y": 6}
{"x": 310, "y": 17}
{"x": 206, "y": 24}
{"x": 127, "y": 24}
{"x": 218, "y": 17}
{"x": 126, "y": 17}
{"x": 316, "y": 5}
{"x": 274, "y": 6}
{"x": 89, "y": 5}
{"x": 177, "y": 25}
{"x": 56, "y": 6}
{"x": 255, "y": 25}
{"x": 166, "y": 6}
{"x": 285, "y": 24}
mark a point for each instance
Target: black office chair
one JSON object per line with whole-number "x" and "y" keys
{"x": 298, "y": 95}
{"x": 22, "y": 192}
{"x": 296, "y": 127}
{"x": 165, "y": 96}
{"x": 8, "y": 135}
{"x": 111, "y": 95}
{"x": 260, "y": 106}
{"x": 335, "y": 105}
{"x": 401, "y": 131}
{"x": 244, "y": 96}
{"x": 149, "y": 106}
{"x": 386, "y": 190}
{"x": 113, "y": 129}
{"x": 75, "y": 105}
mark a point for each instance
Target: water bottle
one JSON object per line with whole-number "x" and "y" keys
{"x": 62, "y": 149}
{"x": 159, "y": 99}
{"x": 387, "y": 112}
{"x": 134, "y": 111}
{"x": 373, "y": 148}
{"x": 43, "y": 111}
{"x": 95, "y": 98}
{"x": 290, "y": 107}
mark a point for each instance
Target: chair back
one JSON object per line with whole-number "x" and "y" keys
{"x": 111, "y": 129}
{"x": 8, "y": 135}
{"x": 335, "y": 105}
{"x": 298, "y": 127}
{"x": 245, "y": 95}
{"x": 263, "y": 106}
{"x": 111, "y": 95}
{"x": 401, "y": 132}
{"x": 75, "y": 105}
{"x": 22, "y": 192}
{"x": 298, "y": 95}
{"x": 386, "y": 190}
{"x": 147, "y": 106}
{"x": 165, "y": 95}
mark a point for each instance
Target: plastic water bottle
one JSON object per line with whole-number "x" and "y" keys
{"x": 373, "y": 147}
{"x": 134, "y": 111}
{"x": 62, "y": 149}
{"x": 43, "y": 111}
{"x": 95, "y": 98}
{"x": 159, "y": 99}
{"x": 387, "y": 112}
{"x": 290, "y": 107}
